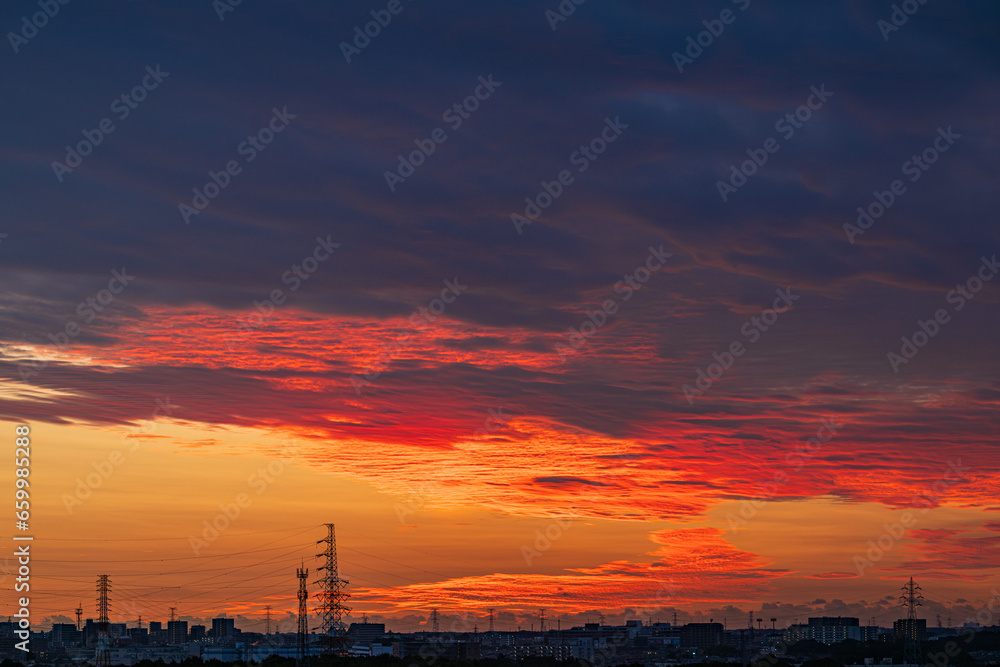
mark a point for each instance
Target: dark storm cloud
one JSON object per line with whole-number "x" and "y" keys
{"x": 323, "y": 176}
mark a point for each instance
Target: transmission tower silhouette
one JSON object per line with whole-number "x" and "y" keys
{"x": 102, "y": 657}
{"x": 911, "y": 599}
{"x": 491, "y": 620}
{"x": 434, "y": 620}
{"x": 79, "y": 615}
{"x": 267, "y": 620}
{"x": 331, "y": 597}
{"x": 301, "y": 654}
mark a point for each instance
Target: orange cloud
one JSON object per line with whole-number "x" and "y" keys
{"x": 691, "y": 566}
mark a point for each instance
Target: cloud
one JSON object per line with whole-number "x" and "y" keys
{"x": 690, "y": 566}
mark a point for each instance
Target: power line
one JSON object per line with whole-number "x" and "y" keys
{"x": 161, "y": 560}
{"x": 160, "y": 539}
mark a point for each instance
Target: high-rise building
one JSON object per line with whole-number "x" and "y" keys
{"x": 366, "y": 631}
{"x": 223, "y": 628}
{"x": 830, "y": 630}
{"x": 66, "y": 634}
{"x": 701, "y": 635}
{"x": 139, "y": 635}
{"x": 90, "y": 633}
{"x": 177, "y": 632}
{"x": 835, "y": 621}
{"x": 197, "y": 633}
{"x": 910, "y": 628}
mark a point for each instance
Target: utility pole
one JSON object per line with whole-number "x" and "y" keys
{"x": 301, "y": 656}
{"x": 103, "y": 655}
{"x": 332, "y": 596}
{"x": 911, "y": 599}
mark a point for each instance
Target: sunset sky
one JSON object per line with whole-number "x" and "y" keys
{"x": 572, "y": 311}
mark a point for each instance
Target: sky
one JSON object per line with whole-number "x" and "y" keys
{"x": 598, "y": 308}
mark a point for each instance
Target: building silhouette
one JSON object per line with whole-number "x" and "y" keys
{"x": 177, "y": 632}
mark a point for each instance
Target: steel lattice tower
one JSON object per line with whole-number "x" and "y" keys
{"x": 331, "y": 596}
{"x": 301, "y": 656}
{"x": 911, "y": 599}
{"x": 103, "y": 655}
{"x": 79, "y": 615}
